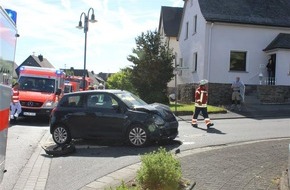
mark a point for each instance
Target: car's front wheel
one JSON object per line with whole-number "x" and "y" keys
{"x": 138, "y": 136}
{"x": 61, "y": 135}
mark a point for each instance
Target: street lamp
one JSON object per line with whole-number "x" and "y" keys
{"x": 86, "y": 28}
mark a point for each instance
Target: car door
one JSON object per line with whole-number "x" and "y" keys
{"x": 75, "y": 116}
{"x": 104, "y": 117}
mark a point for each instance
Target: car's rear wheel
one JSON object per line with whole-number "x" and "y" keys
{"x": 61, "y": 135}
{"x": 137, "y": 136}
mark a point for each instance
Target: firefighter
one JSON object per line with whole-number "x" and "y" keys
{"x": 15, "y": 103}
{"x": 201, "y": 96}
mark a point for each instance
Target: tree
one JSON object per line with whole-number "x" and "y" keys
{"x": 121, "y": 80}
{"x": 152, "y": 67}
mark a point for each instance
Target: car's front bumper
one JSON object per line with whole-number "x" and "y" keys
{"x": 28, "y": 112}
{"x": 168, "y": 131}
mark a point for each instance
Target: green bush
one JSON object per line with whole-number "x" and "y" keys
{"x": 159, "y": 170}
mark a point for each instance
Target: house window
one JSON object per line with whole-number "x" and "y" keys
{"x": 238, "y": 61}
{"x": 194, "y": 63}
{"x": 194, "y": 24}
{"x": 186, "y": 31}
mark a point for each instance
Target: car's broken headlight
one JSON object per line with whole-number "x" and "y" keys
{"x": 158, "y": 120}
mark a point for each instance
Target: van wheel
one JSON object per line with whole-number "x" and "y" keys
{"x": 61, "y": 135}
{"x": 137, "y": 136}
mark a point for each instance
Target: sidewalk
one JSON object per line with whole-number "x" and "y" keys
{"x": 257, "y": 111}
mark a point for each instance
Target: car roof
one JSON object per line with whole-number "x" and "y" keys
{"x": 110, "y": 91}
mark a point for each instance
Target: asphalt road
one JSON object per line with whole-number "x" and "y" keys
{"x": 93, "y": 160}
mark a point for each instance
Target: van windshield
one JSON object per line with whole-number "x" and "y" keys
{"x": 37, "y": 84}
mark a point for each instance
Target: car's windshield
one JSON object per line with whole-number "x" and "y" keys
{"x": 37, "y": 84}
{"x": 131, "y": 100}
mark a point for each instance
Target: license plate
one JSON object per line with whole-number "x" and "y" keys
{"x": 29, "y": 113}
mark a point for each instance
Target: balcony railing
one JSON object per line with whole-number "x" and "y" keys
{"x": 270, "y": 80}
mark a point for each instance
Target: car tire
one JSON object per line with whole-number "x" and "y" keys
{"x": 138, "y": 136}
{"x": 61, "y": 135}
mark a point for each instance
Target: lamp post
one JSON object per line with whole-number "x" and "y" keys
{"x": 86, "y": 28}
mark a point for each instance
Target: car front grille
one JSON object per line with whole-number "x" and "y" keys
{"x": 31, "y": 104}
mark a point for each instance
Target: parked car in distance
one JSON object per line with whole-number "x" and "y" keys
{"x": 111, "y": 114}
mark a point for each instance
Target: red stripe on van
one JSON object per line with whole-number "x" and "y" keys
{"x": 4, "y": 119}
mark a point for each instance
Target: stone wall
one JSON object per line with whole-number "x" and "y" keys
{"x": 220, "y": 94}
{"x": 274, "y": 94}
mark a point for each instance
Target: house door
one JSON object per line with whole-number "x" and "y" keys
{"x": 273, "y": 57}
{"x": 271, "y": 68}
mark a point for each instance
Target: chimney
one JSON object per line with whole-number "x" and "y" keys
{"x": 40, "y": 57}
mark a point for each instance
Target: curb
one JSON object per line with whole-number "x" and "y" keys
{"x": 284, "y": 183}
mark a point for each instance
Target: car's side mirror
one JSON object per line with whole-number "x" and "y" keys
{"x": 116, "y": 107}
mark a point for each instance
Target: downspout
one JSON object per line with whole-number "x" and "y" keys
{"x": 209, "y": 51}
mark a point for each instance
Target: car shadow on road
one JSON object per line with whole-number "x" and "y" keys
{"x": 30, "y": 121}
{"x": 94, "y": 148}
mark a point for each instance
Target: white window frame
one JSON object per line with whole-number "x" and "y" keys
{"x": 244, "y": 60}
{"x": 186, "y": 30}
{"x": 194, "y": 62}
{"x": 194, "y": 24}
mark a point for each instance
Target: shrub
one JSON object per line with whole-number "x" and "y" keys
{"x": 159, "y": 170}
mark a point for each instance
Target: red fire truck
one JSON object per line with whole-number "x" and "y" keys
{"x": 8, "y": 35}
{"x": 40, "y": 90}
{"x": 78, "y": 82}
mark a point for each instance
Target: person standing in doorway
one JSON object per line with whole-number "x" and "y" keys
{"x": 270, "y": 68}
{"x": 271, "y": 71}
{"x": 15, "y": 103}
{"x": 201, "y": 96}
{"x": 238, "y": 93}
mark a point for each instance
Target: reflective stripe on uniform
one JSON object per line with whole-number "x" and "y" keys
{"x": 207, "y": 120}
{"x": 200, "y": 105}
{"x": 15, "y": 96}
{"x": 5, "y": 99}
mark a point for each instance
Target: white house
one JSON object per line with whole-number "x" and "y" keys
{"x": 169, "y": 22}
{"x": 222, "y": 39}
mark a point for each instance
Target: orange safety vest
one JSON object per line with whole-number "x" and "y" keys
{"x": 201, "y": 96}
{"x": 15, "y": 96}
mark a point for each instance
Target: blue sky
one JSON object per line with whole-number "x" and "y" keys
{"x": 48, "y": 27}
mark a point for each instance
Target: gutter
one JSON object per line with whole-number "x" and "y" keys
{"x": 209, "y": 51}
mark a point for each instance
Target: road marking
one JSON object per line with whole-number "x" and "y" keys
{"x": 188, "y": 143}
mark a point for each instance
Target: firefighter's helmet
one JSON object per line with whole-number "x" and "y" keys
{"x": 203, "y": 82}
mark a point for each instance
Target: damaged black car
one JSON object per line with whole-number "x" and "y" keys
{"x": 111, "y": 114}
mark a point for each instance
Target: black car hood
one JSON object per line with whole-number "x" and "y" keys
{"x": 157, "y": 108}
